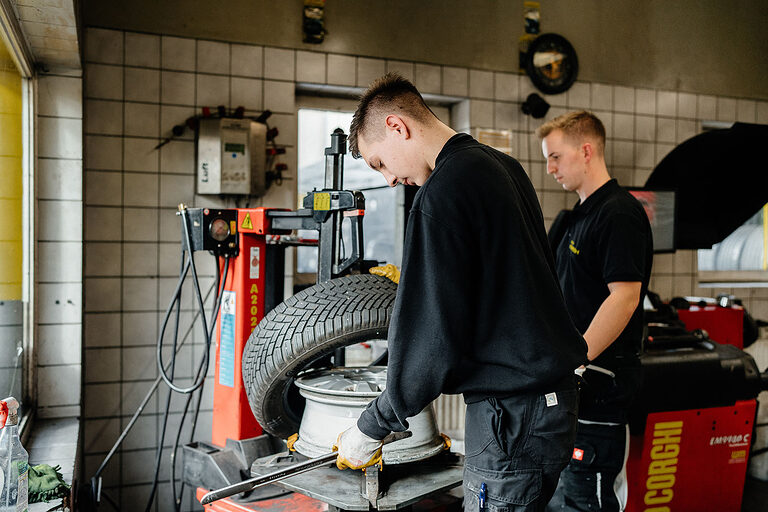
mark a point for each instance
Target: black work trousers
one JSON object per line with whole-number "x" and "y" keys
{"x": 516, "y": 447}
{"x": 589, "y": 483}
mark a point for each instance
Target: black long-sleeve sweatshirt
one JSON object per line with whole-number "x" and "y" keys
{"x": 478, "y": 310}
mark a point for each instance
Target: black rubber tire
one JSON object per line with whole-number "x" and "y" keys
{"x": 303, "y": 329}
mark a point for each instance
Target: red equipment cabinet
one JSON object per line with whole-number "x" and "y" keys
{"x": 724, "y": 325}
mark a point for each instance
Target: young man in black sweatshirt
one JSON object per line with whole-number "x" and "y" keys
{"x": 478, "y": 309}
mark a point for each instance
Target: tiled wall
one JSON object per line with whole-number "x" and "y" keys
{"x": 137, "y": 86}
{"x": 59, "y": 245}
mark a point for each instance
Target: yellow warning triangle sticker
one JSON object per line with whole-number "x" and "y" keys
{"x": 247, "y": 224}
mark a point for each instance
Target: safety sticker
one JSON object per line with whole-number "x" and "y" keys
{"x": 551, "y": 399}
{"x": 247, "y": 224}
{"x": 322, "y": 201}
{"x": 227, "y": 346}
{"x": 255, "y": 257}
{"x": 578, "y": 454}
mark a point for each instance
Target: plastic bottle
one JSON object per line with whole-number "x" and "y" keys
{"x": 14, "y": 460}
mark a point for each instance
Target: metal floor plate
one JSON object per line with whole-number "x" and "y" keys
{"x": 402, "y": 484}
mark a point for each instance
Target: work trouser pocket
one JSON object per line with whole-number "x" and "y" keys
{"x": 505, "y": 491}
{"x": 553, "y": 427}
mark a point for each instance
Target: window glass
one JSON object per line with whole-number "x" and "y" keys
{"x": 11, "y": 229}
{"x": 315, "y": 128}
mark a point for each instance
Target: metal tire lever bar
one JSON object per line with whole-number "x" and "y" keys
{"x": 301, "y": 467}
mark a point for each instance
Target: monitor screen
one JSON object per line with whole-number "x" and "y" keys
{"x": 660, "y": 207}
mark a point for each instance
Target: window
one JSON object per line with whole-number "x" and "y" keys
{"x": 379, "y": 226}
{"x": 14, "y": 228}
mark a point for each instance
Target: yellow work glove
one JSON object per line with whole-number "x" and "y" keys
{"x": 357, "y": 450}
{"x": 389, "y": 271}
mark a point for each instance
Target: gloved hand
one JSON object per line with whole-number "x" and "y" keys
{"x": 357, "y": 450}
{"x": 389, "y": 271}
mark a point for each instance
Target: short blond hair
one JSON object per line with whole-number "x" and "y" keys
{"x": 576, "y": 126}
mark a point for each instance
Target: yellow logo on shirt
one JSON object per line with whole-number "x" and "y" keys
{"x": 572, "y": 247}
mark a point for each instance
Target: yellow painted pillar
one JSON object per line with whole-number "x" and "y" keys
{"x": 10, "y": 179}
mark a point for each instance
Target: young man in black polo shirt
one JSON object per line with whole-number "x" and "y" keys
{"x": 478, "y": 311}
{"x": 604, "y": 263}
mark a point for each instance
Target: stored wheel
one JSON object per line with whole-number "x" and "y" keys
{"x": 302, "y": 331}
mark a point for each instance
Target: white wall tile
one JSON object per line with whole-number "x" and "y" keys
{"x": 506, "y": 86}
{"x": 101, "y": 400}
{"x": 58, "y": 385}
{"x": 59, "y": 344}
{"x": 644, "y": 154}
{"x": 140, "y": 224}
{"x": 404, "y": 68}
{"x": 460, "y": 115}
{"x": 665, "y": 130}
{"x": 60, "y": 220}
{"x": 726, "y": 109}
{"x": 279, "y": 96}
{"x": 139, "y": 294}
{"x": 142, "y": 84}
{"x": 556, "y": 100}
{"x": 102, "y": 329}
{"x": 685, "y": 130}
{"x": 212, "y": 90}
{"x": 60, "y": 179}
{"x": 59, "y": 303}
{"x": 176, "y": 188}
{"x": 707, "y": 108}
{"x": 60, "y": 137}
{"x": 310, "y": 67}
{"x": 663, "y": 150}
{"x": 645, "y": 128}
{"x": 602, "y": 97}
{"x": 140, "y": 189}
{"x": 103, "y": 259}
{"x": 60, "y": 262}
{"x": 247, "y": 60}
{"x": 624, "y": 175}
{"x": 623, "y": 153}
{"x": 526, "y": 87}
{"x": 140, "y": 259}
{"x": 140, "y": 154}
{"x": 247, "y": 92}
{"x": 623, "y": 126}
{"x": 213, "y": 57}
{"x": 369, "y": 70}
{"x": 666, "y": 103}
{"x": 552, "y": 202}
{"x": 177, "y": 157}
{"x": 507, "y": 116}
{"x": 645, "y": 101}
{"x": 480, "y": 114}
{"x": 746, "y": 111}
{"x": 102, "y": 223}
{"x": 60, "y": 96}
{"x": 102, "y": 365}
{"x": 455, "y": 81}
{"x": 103, "y": 82}
{"x": 480, "y": 84}
{"x": 279, "y": 64}
{"x": 427, "y": 78}
{"x": 686, "y": 105}
{"x": 762, "y": 112}
{"x": 142, "y": 50}
{"x": 172, "y": 116}
{"x": 142, "y": 119}
{"x": 178, "y": 88}
{"x": 103, "y": 152}
{"x": 578, "y": 96}
{"x": 341, "y": 70}
{"x": 624, "y": 99}
{"x": 100, "y": 435}
{"x": 178, "y": 53}
{"x": 104, "y": 46}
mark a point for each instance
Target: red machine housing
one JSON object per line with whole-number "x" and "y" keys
{"x": 724, "y": 325}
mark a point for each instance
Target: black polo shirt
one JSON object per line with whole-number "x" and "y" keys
{"x": 607, "y": 239}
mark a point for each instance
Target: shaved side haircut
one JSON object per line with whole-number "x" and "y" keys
{"x": 576, "y": 126}
{"x": 390, "y": 94}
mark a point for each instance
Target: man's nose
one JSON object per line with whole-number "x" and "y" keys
{"x": 391, "y": 179}
{"x": 551, "y": 168}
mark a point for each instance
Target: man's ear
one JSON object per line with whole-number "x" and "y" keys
{"x": 588, "y": 151}
{"x": 397, "y": 125}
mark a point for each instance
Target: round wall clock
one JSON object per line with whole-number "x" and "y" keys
{"x": 551, "y": 63}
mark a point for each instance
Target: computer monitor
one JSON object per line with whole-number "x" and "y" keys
{"x": 661, "y": 210}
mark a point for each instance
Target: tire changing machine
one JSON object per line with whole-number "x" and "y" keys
{"x": 254, "y": 239}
